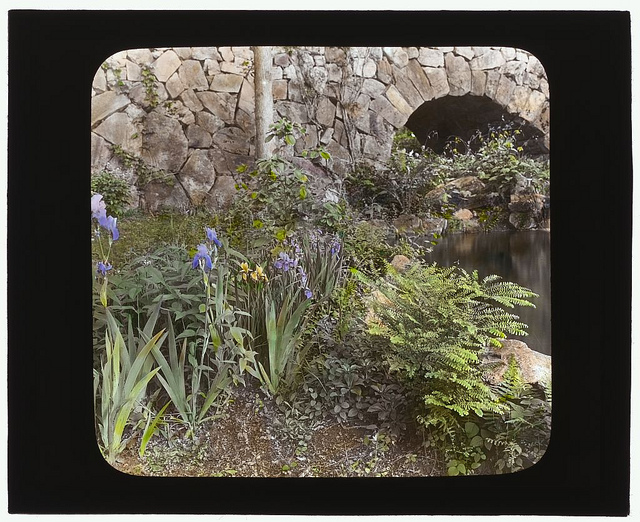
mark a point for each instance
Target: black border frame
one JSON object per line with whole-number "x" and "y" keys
{"x": 54, "y": 463}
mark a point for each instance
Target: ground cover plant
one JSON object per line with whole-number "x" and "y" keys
{"x": 281, "y": 340}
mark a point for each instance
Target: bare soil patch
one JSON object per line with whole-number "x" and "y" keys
{"x": 246, "y": 440}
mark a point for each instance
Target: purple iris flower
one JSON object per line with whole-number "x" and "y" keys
{"x": 98, "y": 207}
{"x": 212, "y": 236}
{"x": 296, "y": 247}
{"x": 109, "y": 222}
{"x": 103, "y": 268}
{"x": 284, "y": 262}
{"x": 202, "y": 253}
{"x": 307, "y": 293}
{"x": 303, "y": 275}
{"x": 335, "y": 246}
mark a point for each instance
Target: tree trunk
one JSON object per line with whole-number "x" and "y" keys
{"x": 264, "y": 99}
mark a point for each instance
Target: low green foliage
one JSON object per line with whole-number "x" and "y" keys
{"x": 367, "y": 250}
{"x": 114, "y": 191}
{"x": 348, "y": 379}
{"x": 164, "y": 275}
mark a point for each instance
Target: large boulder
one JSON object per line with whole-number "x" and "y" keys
{"x": 531, "y": 203}
{"x": 164, "y": 144}
{"x": 535, "y": 367}
{"x": 526, "y": 210}
{"x": 400, "y": 262}
{"x": 412, "y": 224}
{"x": 408, "y": 223}
{"x": 221, "y": 196}
{"x": 162, "y": 196}
{"x": 458, "y": 192}
{"x": 197, "y": 176}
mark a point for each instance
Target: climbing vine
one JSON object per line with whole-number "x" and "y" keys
{"x": 150, "y": 88}
{"x": 145, "y": 173}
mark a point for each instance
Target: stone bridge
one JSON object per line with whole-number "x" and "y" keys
{"x": 188, "y": 113}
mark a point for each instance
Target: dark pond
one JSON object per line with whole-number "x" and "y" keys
{"x": 521, "y": 257}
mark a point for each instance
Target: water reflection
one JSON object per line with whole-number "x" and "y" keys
{"x": 518, "y": 256}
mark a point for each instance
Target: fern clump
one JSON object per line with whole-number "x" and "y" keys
{"x": 437, "y": 321}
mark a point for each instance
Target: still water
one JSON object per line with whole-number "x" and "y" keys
{"x": 521, "y": 257}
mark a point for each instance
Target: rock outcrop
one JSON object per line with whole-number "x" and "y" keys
{"x": 535, "y": 367}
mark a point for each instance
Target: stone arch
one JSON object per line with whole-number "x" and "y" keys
{"x": 454, "y": 91}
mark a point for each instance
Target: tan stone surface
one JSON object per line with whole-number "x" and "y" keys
{"x": 431, "y": 57}
{"x": 192, "y": 75}
{"x": 419, "y": 79}
{"x": 458, "y": 74}
{"x": 535, "y": 367}
{"x": 398, "y": 101}
{"x": 106, "y": 104}
{"x": 166, "y": 65}
{"x": 119, "y": 130}
{"x": 438, "y": 81}
{"x": 229, "y": 83}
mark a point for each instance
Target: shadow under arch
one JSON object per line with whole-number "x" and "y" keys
{"x": 438, "y": 120}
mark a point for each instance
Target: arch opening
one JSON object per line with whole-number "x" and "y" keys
{"x": 438, "y": 121}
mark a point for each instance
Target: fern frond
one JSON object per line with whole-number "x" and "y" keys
{"x": 437, "y": 323}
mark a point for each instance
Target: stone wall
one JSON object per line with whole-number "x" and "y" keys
{"x": 186, "y": 114}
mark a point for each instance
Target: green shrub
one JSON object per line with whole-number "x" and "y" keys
{"x": 399, "y": 187}
{"x": 501, "y": 163}
{"x": 366, "y": 249}
{"x": 273, "y": 198}
{"x": 114, "y": 190}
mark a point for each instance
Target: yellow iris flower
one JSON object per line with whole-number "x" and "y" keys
{"x": 260, "y": 273}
